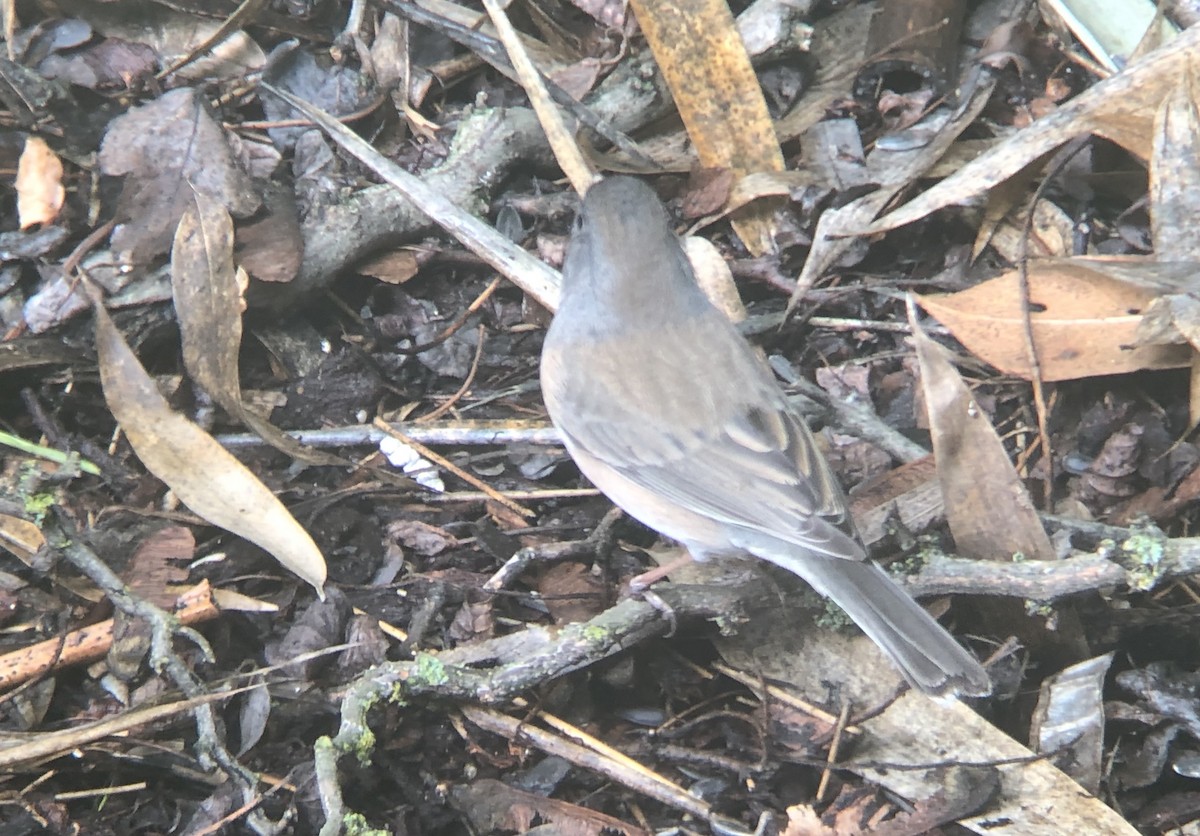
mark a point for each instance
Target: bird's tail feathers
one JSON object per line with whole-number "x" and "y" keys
{"x": 928, "y": 656}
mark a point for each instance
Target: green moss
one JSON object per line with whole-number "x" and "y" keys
{"x": 834, "y": 617}
{"x": 364, "y": 746}
{"x": 397, "y": 695}
{"x": 1144, "y": 551}
{"x": 429, "y": 670}
{"x": 594, "y": 634}
{"x": 355, "y": 824}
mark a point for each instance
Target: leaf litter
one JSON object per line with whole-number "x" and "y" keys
{"x": 280, "y": 330}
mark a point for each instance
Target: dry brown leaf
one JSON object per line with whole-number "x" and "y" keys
{"x": 474, "y": 621}
{"x": 166, "y": 149}
{"x": 209, "y": 302}
{"x": 422, "y": 537}
{"x": 572, "y": 592}
{"x": 1050, "y": 236}
{"x": 714, "y": 276}
{"x": 1120, "y": 108}
{"x": 909, "y": 493}
{"x": 1085, "y": 321}
{"x": 40, "y": 192}
{"x": 987, "y": 507}
{"x": 1174, "y": 204}
{"x": 208, "y": 299}
{"x": 155, "y": 564}
{"x": 704, "y": 62}
{"x": 393, "y": 267}
{"x": 493, "y": 807}
{"x": 202, "y": 473}
{"x": 1175, "y": 176}
{"x": 21, "y": 537}
{"x": 271, "y": 248}
{"x": 804, "y": 821}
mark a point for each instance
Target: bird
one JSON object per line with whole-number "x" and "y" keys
{"x": 668, "y": 410}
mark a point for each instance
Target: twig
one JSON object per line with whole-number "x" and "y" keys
{"x": 63, "y": 537}
{"x": 598, "y": 543}
{"x": 831, "y": 757}
{"x": 566, "y": 151}
{"x": 92, "y": 642}
{"x": 452, "y": 434}
{"x": 860, "y": 421}
{"x": 600, "y": 758}
{"x": 457, "y": 324}
{"x": 1035, "y": 366}
{"x": 467, "y": 381}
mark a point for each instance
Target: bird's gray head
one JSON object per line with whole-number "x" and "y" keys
{"x": 623, "y": 253}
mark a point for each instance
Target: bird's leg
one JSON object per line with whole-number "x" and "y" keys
{"x": 644, "y": 580}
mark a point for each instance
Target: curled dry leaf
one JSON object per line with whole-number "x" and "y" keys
{"x": 714, "y": 276}
{"x": 1068, "y": 723}
{"x": 21, "y": 537}
{"x": 987, "y": 507}
{"x": 1175, "y": 176}
{"x": 40, "y": 192}
{"x": 1085, "y": 321}
{"x": 704, "y": 62}
{"x": 202, "y": 473}
{"x": 1120, "y": 108}
{"x": 208, "y": 294}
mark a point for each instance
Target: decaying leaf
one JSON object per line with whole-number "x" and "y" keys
{"x": 1120, "y": 108}
{"x": 202, "y": 473}
{"x": 156, "y": 564}
{"x": 1051, "y": 234}
{"x": 40, "y": 192}
{"x": 1175, "y": 175}
{"x": 165, "y": 149}
{"x": 1085, "y": 316}
{"x": 1174, "y": 203}
{"x": 987, "y": 507}
{"x": 174, "y": 34}
{"x": 572, "y": 592}
{"x": 21, "y": 537}
{"x": 493, "y": 806}
{"x": 704, "y": 62}
{"x": 208, "y": 295}
{"x": 1068, "y": 723}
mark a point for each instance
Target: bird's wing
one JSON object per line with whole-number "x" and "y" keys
{"x": 741, "y": 457}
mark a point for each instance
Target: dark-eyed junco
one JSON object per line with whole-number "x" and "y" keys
{"x": 668, "y": 410}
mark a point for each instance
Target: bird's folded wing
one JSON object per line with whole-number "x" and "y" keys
{"x": 745, "y": 478}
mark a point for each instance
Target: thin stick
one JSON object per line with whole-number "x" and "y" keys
{"x": 466, "y": 384}
{"x": 562, "y": 142}
{"x": 843, "y": 718}
{"x": 89, "y": 643}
